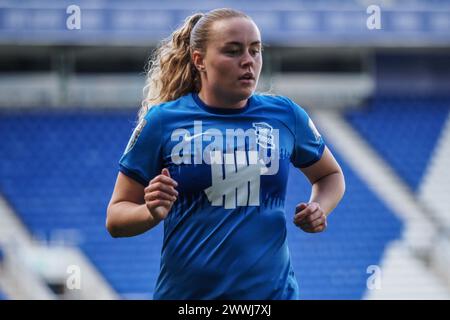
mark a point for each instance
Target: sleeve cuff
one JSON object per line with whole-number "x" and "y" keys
{"x": 317, "y": 158}
{"x": 133, "y": 175}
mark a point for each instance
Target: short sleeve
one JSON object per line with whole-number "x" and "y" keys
{"x": 309, "y": 144}
{"x": 142, "y": 159}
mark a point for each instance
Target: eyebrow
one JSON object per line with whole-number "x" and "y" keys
{"x": 240, "y": 43}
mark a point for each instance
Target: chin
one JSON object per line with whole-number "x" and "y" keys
{"x": 245, "y": 93}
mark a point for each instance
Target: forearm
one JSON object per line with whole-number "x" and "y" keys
{"x": 328, "y": 191}
{"x": 127, "y": 219}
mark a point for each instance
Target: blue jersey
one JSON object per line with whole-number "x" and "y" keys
{"x": 225, "y": 236}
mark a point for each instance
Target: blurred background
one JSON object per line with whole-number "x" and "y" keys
{"x": 373, "y": 75}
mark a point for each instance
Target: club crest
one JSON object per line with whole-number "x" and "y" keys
{"x": 264, "y": 136}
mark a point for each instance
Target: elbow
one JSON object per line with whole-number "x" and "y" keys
{"x": 111, "y": 229}
{"x": 111, "y": 226}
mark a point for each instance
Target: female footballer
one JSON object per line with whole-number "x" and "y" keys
{"x": 210, "y": 158}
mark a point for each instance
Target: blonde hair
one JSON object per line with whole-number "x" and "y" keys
{"x": 171, "y": 72}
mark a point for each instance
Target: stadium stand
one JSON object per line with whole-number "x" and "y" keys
{"x": 59, "y": 174}
{"x": 403, "y": 129}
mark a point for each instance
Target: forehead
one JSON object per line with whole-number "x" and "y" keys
{"x": 241, "y": 30}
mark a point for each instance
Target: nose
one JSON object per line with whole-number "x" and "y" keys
{"x": 247, "y": 60}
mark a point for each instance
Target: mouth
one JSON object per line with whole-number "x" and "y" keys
{"x": 247, "y": 77}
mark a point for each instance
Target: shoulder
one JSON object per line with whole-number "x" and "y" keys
{"x": 271, "y": 98}
{"x": 275, "y": 99}
{"x": 279, "y": 101}
{"x": 164, "y": 109}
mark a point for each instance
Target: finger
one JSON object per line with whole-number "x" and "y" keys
{"x": 164, "y": 179}
{"x": 320, "y": 228}
{"x": 306, "y": 213}
{"x": 308, "y": 207}
{"x": 313, "y": 206}
{"x": 307, "y": 216}
{"x": 300, "y": 207}
{"x": 313, "y": 224}
{"x": 155, "y": 195}
{"x": 158, "y": 186}
{"x": 317, "y": 229}
{"x": 301, "y": 211}
{"x": 318, "y": 214}
{"x": 159, "y": 203}
{"x": 165, "y": 172}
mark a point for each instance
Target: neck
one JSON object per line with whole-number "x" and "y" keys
{"x": 214, "y": 101}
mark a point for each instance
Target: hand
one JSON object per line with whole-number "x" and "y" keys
{"x": 310, "y": 217}
{"x": 160, "y": 195}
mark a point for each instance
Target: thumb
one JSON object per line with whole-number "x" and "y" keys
{"x": 165, "y": 172}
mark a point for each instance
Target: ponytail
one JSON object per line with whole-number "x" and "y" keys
{"x": 171, "y": 73}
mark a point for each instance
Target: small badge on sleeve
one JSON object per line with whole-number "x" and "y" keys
{"x": 137, "y": 131}
{"x": 314, "y": 129}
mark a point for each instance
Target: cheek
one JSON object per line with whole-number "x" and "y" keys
{"x": 222, "y": 68}
{"x": 259, "y": 62}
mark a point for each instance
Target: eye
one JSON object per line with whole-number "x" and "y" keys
{"x": 232, "y": 52}
{"x": 255, "y": 51}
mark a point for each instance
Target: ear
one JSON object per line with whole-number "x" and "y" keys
{"x": 198, "y": 60}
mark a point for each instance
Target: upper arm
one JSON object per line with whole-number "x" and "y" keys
{"x": 127, "y": 189}
{"x": 325, "y": 166}
{"x": 308, "y": 143}
{"x": 142, "y": 159}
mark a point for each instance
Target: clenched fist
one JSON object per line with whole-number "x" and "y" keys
{"x": 310, "y": 217}
{"x": 160, "y": 194}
